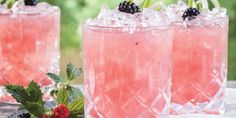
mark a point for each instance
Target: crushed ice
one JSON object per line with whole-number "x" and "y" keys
{"x": 114, "y": 18}
{"x": 20, "y": 8}
{"x": 214, "y": 16}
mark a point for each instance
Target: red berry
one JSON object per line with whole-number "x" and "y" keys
{"x": 61, "y": 111}
{"x": 44, "y": 116}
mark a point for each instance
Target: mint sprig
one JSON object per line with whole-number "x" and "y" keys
{"x": 203, "y": 4}
{"x": 62, "y": 96}
{"x": 146, "y": 4}
{"x": 63, "y": 83}
{"x": 8, "y": 3}
{"x": 199, "y": 5}
{"x": 31, "y": 97}
{"x": 216, "y": 3}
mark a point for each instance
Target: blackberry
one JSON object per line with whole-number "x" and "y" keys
{"x": 24, "y": 115}
{"x": 129, "y": 7}
{"x": 31, "y": 2}
{"x": 190, "y": 13}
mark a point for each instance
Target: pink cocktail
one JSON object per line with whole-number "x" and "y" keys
{"x": 200, "y": 66}
{"x": 29, "y": 45}
{"x": 127, "y": 69}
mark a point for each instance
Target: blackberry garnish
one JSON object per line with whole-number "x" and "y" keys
{"x": 31, "y": 2}
{"x": 129, "y": 7}
{"x": 190, "y": 13}
{"x": 24, "y": 115}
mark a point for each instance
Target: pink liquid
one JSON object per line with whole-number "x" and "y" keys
{"x": 199, "y": 69}
{"x": 127, "y": 74}
{"x": 29, "y": 48}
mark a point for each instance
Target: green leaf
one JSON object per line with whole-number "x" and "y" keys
{"x": 62, "y": 96}
{"x": 190, "y": 3}
{"x": 75, "y": 114}
{"x": 199, "y": 5}
{"x": 146, "y": 4}
{"x": 75, "y": 93}
{"x": 19, "y": 93}
{"x": 72, "y": 72}
{"x": 130, "y": 0}
{"x": 216, "y": 3}
{"x": 77, "y": 105}
{"x": 10, "y": 3}
{"x": 35, "y": 92}
{"x": 35, "y": 108}
{"x": 53, "y": 93}
{"x": 57, "y": 79}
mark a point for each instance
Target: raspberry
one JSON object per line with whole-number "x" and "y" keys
{"x": 61, "y": 111}
{"x": 190, "y": 13}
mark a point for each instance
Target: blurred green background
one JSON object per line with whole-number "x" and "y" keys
{"x": 74, "y": 12}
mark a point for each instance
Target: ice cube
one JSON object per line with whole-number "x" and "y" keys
{"x": 182, "y": 6}
{"x": 173, "y": 12}
{"x": 219, "y": 12}
{"x": 104, "y": 12}
{"x": 4, "y": 10}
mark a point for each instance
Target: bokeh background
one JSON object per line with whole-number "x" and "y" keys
{"x": 74, "y": 12}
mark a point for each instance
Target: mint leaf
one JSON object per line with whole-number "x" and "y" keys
{"x": 75, "y": 114}
{"x": 146, "y": 4}
{"x": 77, "y": 108}
{"x": 35, "y": 92}
{"x": 216, "y": 3}
{"x": 10, "y": 3}
{"x": 77, "y": 105}
{"x": 72, "y": 72}
{"x": 35, "y": 108}
{"x": 57, "y": 79}
{"x": 75, "y": 93}
{"x": 199, "y": 5}
{"x": 62, "y": 96}
{"x": 190, "y": 3}
{"x": 130, "y": 0}
{"x": 19, "y": 93}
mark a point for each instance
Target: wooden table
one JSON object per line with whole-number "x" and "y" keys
{"x": 7, "y": 109}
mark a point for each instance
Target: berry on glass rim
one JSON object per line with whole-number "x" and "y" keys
{"x": 31, "y": 2}
{"x": 129, "y": 7}
{"x": 190, "y": 13}
{"x": 61, "y": 111}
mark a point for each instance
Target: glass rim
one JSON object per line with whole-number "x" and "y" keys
{"x": 197, "y": 20}
{"x": 85, "y": 25}
{"x": 56, "y": 9}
